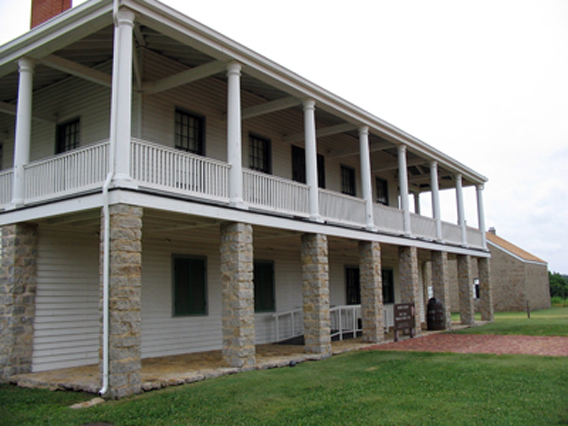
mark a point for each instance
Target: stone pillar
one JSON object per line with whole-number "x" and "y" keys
{"x": 485, "y": 291}
{"x": 441, "y": 283}
{"x": 315, "y": 276}
{"x": 18, "y": 281}
{"x": 238, "y": 294}
{"x": 465, "y": 284}
{"x": 125, "y": 279}
{"x": 410, "y": 281}
{"x": 371, "y": 291}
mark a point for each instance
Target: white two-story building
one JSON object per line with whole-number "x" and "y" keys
{"x": 165, "y": 190}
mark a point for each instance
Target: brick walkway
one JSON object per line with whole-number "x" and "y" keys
{"x": 487, "y": 344}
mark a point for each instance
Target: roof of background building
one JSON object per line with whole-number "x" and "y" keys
{"x": 510, "y": 247}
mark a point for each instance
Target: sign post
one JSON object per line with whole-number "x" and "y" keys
{"x": 404, "y": 319}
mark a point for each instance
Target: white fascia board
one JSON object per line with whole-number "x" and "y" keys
{"x": 56, "y": 33}
{"x": 222, "y": 213}
{"x": 532, "y": 262}
{"x": 170, "y": 21}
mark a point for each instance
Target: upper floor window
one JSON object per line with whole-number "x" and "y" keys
{"x": 348, "y": 180}
{"x": 382, "y": 191}
{"x": 67, "y": 136}
{"x": 260, "y": 154}
{"x": 189, "y": 132}
{"x": 299, "y": 166}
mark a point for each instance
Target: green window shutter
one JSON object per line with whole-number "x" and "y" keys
{"x": 264, "y": 287}
{"x": 190, "y": 291}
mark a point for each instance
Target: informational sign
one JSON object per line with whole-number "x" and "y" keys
{"x": 404, "y": 318}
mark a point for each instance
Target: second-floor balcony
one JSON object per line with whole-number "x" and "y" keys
{"x": 168, "y": 170}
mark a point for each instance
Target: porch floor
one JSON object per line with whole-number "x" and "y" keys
{"x": 175, "y": 370}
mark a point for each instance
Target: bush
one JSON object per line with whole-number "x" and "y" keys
{"x": 557, "y": 301}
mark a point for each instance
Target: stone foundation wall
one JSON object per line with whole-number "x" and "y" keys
{"x": 124, "y": 299}
{"x": 18, "y": 282}
{"x": 315, "y": 289}
{"x": 238, "y": 294}
{"x": 371, "y": 291}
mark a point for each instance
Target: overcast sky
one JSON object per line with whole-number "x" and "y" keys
{"x": 484, "y": 81}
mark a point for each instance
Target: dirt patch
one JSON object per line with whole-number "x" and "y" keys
{"x": 486, "y": 344}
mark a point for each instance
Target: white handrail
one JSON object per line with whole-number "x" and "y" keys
{"x": 345, "y": 320}
{"x": 6, "y": 179}
{"x": 291, "y": 331}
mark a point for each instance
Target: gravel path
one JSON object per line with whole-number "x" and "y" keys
{"x": 486, "y": 344}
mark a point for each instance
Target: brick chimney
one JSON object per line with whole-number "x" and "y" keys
{"x": 43, "y": 10}
{"x": 493, "y": 231}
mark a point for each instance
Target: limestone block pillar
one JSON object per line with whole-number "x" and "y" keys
{"x": 18, "y": 281}
{"x": 465, "y": 284}
{"x": 315, "y": 289}
{"x": 485, "y": 290}
{"x": 238, "y": 294}
{"x": 409, "y": 280}
{"x": 371, "y": 291}
{"x": 441, "y": 283}
{"x": 125, "y": 280}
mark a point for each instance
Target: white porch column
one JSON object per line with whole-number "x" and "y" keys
{"x": 365, "y": 159}
{"x": 121, "y": 108}
{"x": 234, "y": 135}
{"x": 311, "y": 158}
{"x": 23, "y": 130}
{"x": 403, "y": 183}
{"x": 461, "y": 210}
{"x": 416, "y": 196}
{"x": 481, "y": 214}
{"x": 436, "y": 199}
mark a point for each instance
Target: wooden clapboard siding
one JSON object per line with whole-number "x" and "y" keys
{"x": 66, "y": 329}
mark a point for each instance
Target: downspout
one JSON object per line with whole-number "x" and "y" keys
{"x": 106, "y": 228}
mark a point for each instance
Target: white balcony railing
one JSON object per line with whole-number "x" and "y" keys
{"x": 388, "y": 218}
{"x": 6, "y": 186}
{"x": 451, "y": 232}
{"x": 422, "y": 226}
{"x": 74, "y": 171}
{"x": 474, "y": 237}
{"x": 274, "y": 193}
{"x": 341, "y": 208}
{"x": 160, "y": 167}
{"x": 345, "y": 320}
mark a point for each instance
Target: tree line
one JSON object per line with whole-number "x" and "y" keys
{"x": 558, "y": 285}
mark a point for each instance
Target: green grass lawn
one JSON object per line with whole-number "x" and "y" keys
{"x": 546, "y": 322}
{"x": 358, "y": 388}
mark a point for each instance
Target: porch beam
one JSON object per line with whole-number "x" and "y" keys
{"x": 78, "y": 70}
{"x": 320, "y": 133}
{"x": 12, "y": 110}
{"x": 268, "y": 107}
{"x": 394, "y": 166}
{"x": 373, "y": 147}
{"x": 184, "y": 77}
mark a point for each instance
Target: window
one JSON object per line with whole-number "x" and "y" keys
{"x": 348, "y": 180}
{"x": 299, "y": 166}
{"x": 67, "y": 136}
{"x": 190, "y": 285}
{"x": 260, "y": 154}
{"x": 189, "y": 132}
{"x": 264, "y": 286}
{"x": 352, "y": 286}
{"x": 382, "y": 191}
{"x": 388, "y": 286}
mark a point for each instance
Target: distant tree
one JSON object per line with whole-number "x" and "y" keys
{"x": 558, "y": 285}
